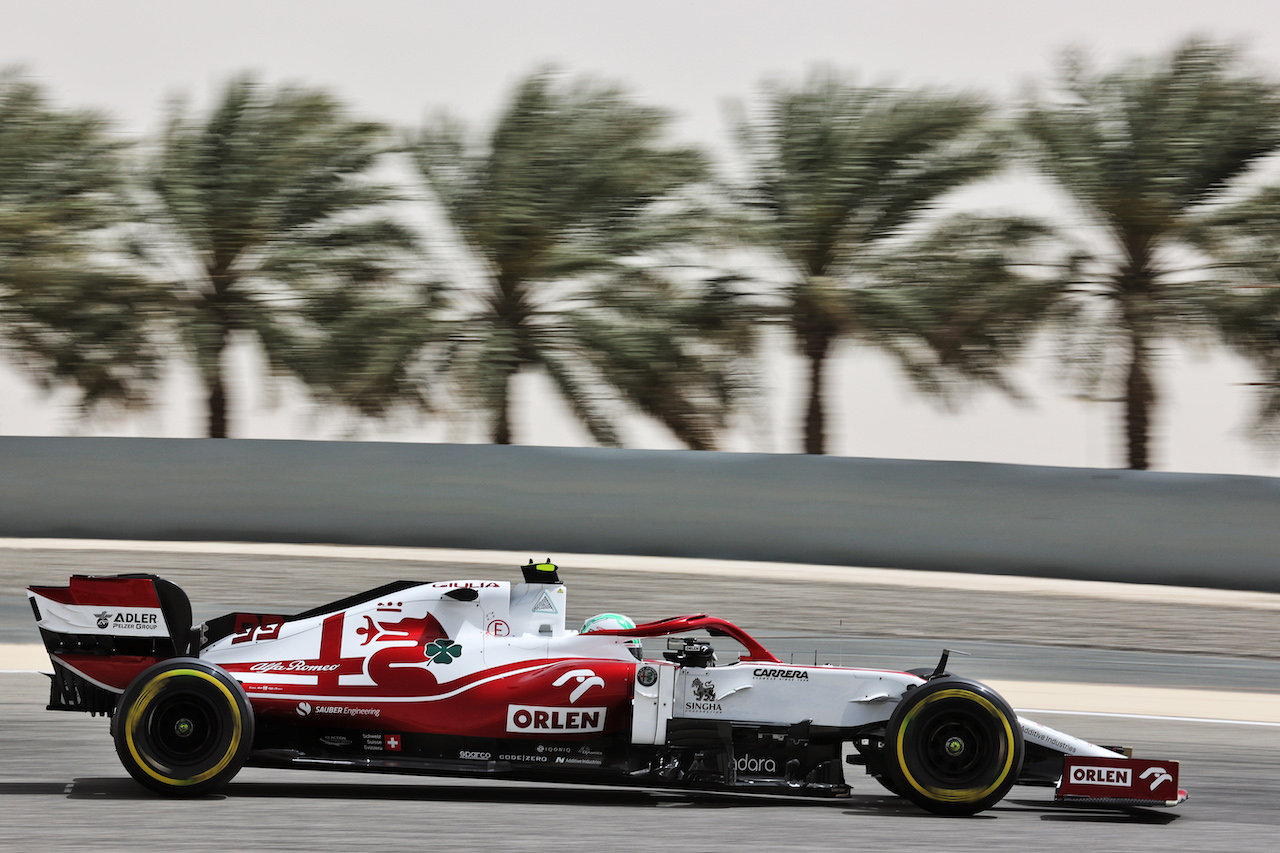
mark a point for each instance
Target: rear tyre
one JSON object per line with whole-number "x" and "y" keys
{"x": 953, "y": 747}
{"x": 183, "y": 728}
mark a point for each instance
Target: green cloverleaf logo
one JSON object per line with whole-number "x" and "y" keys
{"x": 443, "y": 651}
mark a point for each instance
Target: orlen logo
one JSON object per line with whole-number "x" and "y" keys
{"x": 585, "y": 680}
{"x": 1116, "y": 777}
{"x": 533, "y": 718}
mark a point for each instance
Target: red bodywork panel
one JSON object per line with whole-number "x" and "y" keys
{"x": 1137, "y": 779}
{"x": 103, "y": 592}
{"x": 114, "y": 672}
{"x": 570, "y": 698}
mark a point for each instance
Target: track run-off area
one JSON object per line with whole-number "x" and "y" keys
{"x": 1186, "y": 674}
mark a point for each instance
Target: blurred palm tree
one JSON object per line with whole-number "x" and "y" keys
{"x": 267, "y": 220}
{"x": 840, "y": 181}
{"x": 578, "y": 211}
{"x": 1145, "y": 152}
{"x": 1244, "y": 240}
{"x": 68, "y": 315}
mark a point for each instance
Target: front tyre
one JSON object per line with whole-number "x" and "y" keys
{"x": 184, "y": 727}
{"x": 953, "y": 747}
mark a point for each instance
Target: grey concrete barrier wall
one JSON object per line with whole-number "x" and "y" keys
{"x": 1196, "y": 530}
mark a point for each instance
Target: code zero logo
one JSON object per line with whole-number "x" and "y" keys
{"x": 532, "y": 718}
{"x": 1116, "y": 777}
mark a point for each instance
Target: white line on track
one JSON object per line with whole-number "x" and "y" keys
{"x": 672, "y": 565}
{"x": 1156, "y": 717}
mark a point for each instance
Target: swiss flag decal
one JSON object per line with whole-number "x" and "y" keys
{"x": 391, "y": 742}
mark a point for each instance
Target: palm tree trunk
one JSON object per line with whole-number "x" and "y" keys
{"x": 215, "y": 384}
{"x": 1139, "y": 399}
{"x": 816, "y": 348}
{"x": 501, "y": 411}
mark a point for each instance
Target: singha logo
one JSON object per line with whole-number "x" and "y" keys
{"x": 104, "y": 618}
{"x": 704, "y": 691}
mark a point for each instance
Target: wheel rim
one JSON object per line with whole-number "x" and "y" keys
{"x": 183, "y": 729}
{"x": 956, "y": 749}
{"x": 955, "y": 746}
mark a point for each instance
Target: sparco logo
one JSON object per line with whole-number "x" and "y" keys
{"x": 475, "y": 756}
{"x": 1116, "y": 777}
{"x": 747, "y": 764}
{"x": 530, "y": 718}
{"x": 781, "y": 673}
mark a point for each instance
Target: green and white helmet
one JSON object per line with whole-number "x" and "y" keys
{"x": 607, "y": 622}
{"x": 615, "y": 622}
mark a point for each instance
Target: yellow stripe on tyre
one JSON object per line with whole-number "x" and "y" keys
{"x": 138, "y": 711}
{"x": 967, "y": 795}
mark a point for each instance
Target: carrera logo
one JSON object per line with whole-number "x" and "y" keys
{"x": 533, "y": 718}
{"x": 781, "y": 673}
{"x": 1116, "y": 777}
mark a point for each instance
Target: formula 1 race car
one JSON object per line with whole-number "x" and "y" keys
{"x": 481, "y": 678}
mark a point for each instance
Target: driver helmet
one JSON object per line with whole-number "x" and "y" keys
{"x": 607, "y": 622}
{"x": 614, "y": 622}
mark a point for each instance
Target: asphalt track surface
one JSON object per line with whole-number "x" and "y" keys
{"x": 61, "y": 786}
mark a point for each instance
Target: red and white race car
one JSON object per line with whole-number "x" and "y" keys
{"x": 481, "y": 678}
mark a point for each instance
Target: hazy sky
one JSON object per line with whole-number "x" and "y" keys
{"x": 398, "y": 61}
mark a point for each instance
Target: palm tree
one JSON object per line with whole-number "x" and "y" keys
{"x": 1144, "y": 152}
{"x": 576, "y": 210}
{"x": 267, "y": 220}
{"x": 67, "y": 315}
{"x": 1244, "y": 240}
{"x": 840, "y": 181}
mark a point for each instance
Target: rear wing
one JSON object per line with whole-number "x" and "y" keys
{"x": 100, "y": 632}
